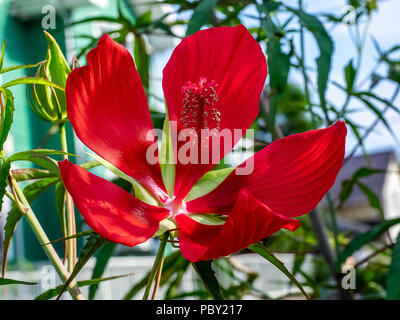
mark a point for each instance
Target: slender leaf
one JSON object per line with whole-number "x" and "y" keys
{"x": 262, "y": 251}
{"x": 7, "y": 115}
{"x": 278, "y": 64}
{"x": 363, "y": 239}
{"x": 207, "y": 276}
{"x": 39, "y": 157}
{"x": 325, "y": 45}
{"x": 13, "y": 68}
{"x": 31, "y": 80}
{"x": 372, "y": 198}
{"x": 4, "y": 170}
{"x": 350, "y": 74}
{"x": 102, "y": 259}
{"x": 6, "y": 281}
{"x": 141, "y": 60}
{"x": 31, "y": 174}
{"x": 201, "y": 15}
{"x": 393, "y": 275}
{"x": 93, "y": 243}
{"x": 31, "y": 192}
{"x": 166, "y": 157}
{"x": 172, "y": 263}
{"x": 60, "y": 206}
{"x": 3, "y": 50}
{"x": 208, "y": 182}
{"x": 74, "y": 236}
{"x": 56, "y": 291}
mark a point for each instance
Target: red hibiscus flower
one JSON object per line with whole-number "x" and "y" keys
{"x": 213, "y": 81}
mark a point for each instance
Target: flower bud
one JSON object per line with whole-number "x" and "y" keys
{"x": 48, "y": 102}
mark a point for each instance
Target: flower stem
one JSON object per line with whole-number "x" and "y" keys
{"x": 157, "y": 280}
{"x": 71, "y": 225}
{"x": 27, "y": 212}
{"x": 158, "y": 261}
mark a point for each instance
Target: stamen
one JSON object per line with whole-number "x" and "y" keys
{"x": 199, "y": 105}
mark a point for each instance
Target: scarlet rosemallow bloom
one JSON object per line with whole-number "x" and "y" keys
{"x": 212, "y": 81}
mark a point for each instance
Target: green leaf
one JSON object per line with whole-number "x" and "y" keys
{"x": 348, "y": 185}
{"x": 93, "y": 243}
{"x": 31, "y": 80}
{"x": 208, "y": 183}
{"x": 363, "y": 239}
{"x": 141, "y": 60}
{"x": 325, "y": 45}
{"x": 263, "y": 251}
{"x": 375, "y": 110}
{"x": 56, "y": 70}
{"x": 74, "y": 236}
{"x": 55, "y": 291}
{"x": 6, "y": 116}
{"x": 350, "y": 75}
{"x": 102, "y": 259}
{"x": 12, "y": 220}
{"x": 6, "y": 281}
{"x": 31, "y": 192}
{"x": 13, "y": 68}
{"x": 374, "y": 96}
{"x": 165, "y": 225}
{"x": 208, "y": 219}
{"x": 39, "y": 157}
{"x": 143, "y": 20}
{"x": 172, "y": 263}
{"x": 278, "y": 64}
{"x": 372, "y": 198}
{"x": 3, "y": 50}
{"x": 60, "y": 206}
{"x": 31, "y": 174}
{"x": 174, "y": 286}
{"x": 166, "y": 157}
{"x": 140, "y": 191}
{"x": 393, "y": 275}
{"x": 4, "y": 170}
{"x": 201, "y": 15}
{"x": 207, "y": 276}
{"x": 90, "y": 164}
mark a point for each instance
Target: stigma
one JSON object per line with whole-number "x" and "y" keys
{"x": 199, "y": 109}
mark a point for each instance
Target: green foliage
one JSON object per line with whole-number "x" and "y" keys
{"x": 393, "y": 276}
{"x": 201, "y": 15}
{"x": 93, "y": 243}
{"x": 365, "y": 238}
{"x": 49, "y": 102}
{"x": 102, "y": 259}
{"x": 207, "y": 276}
{"x": 263, "y": 251}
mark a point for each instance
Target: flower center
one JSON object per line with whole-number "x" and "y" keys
{"x": 199, "y": 105}
{"x": 176, "y": 206}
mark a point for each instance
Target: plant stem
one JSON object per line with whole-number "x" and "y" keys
{"x": 157, "y": 262}
{"x": 71, "y": 225}
{"x": 157, "y": 280}
{"x": 27, "y": 212}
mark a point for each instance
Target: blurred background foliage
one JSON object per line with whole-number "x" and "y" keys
{"x": 288, "y": 105}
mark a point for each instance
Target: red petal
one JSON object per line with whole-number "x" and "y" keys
{"x": 248, "y": 222}
{"x": 109, "y": 210}
{"x": 290, "y": 176}
{"x": 234, "y": 60}
{"x": 108, "y": 109}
